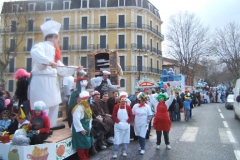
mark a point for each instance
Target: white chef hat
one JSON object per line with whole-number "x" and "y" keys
{"x": 82, "y": 72}
{"x": 106, "y": 72}
{"x": 39, "y": 105}
{"x": 50, "y": 27}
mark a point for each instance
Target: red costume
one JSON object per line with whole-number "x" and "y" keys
{"x": 115, "y": 111}
{"x": 162, "y": 120}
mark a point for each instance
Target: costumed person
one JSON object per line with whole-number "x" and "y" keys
{"x": 187, "y": 106}
{"x": 22, "y": 121}
{"x": 67, "y": 86}
{"x": 162, "y": 122}
{"x": 81, "y": 84}
{"x": 22, "y": 77}
{"x": 2, "y": 101}
{"x": 46, "y": 61}
{"x": 81, "y": 126}
{"x": 5, "y": 121}
{"x": 102, "y": 122}
{"x": 142, "y": 117}
{"x": 39, "y": 126}
{"x": 14, "y": 122}
{"x": 103, "y": 84}
{"x": 122, "y": 116}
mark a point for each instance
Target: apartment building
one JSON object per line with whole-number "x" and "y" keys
{"x": 130, "y": 27}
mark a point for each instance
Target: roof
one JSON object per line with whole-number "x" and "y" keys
{"x": 76, "y": 4}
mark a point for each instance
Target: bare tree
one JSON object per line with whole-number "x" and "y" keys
{"x": 187, "y": 41}
{"x": 226, "y": 46}
{"x": 15, "y": 24}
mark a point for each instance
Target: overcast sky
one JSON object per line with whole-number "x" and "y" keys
{"x": 213, "y": 13}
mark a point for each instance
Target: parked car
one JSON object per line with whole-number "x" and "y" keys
{"x": 229, "y": 102}
{"x": 236, "y": 103}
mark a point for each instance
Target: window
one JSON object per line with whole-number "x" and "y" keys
{"x": 12, "y": 45}
{"x": 121, "y": 2}
{"x": 29, "y": 44}
{"x": 66, "y": 23}
{"x": 121, "y": 41}
{"x": 139, "y": 42}
{"x": 84, "y": 22}
{"x": 84, "y": 4}
{"x": 65, "y": 61}
{"x": 30, "y": 25}
{"x": 31, "y": 7}
{"x": 139, "y": 3}
{"x": 158, "y": 67}
{"x": 103, "y": 3}
{"x": 13, "y": 26}
{"x": 151, "y": 8}
{"x": 121, "y": 21}
{"x": 103, "y": 42}
{"x": 10, "y": 85}
{"x": 122, "y": 62}
{"x": 139, "y": 63}
{"x": 47, "y": 19}
{"x": 11, "y": 65}
{"x": 150, "y": 25}
{"x": 66, "y": 5}
{"x": 139, "y": 21}
{"x": 65, "y": 43}
{"x": 84, "y": 42}
{"x": 29, "y": 64}
{"x": 151, "y": 49}
{"x": 158, "y": 48}
{"x": 15, "y": 7}
{"x": 122, "y": 83}
{"x": 157, "y": 28}
{"x": 48, "y": 6}
{"x": 103, "y": 22}
{"x": 84, "y": 62}
{"x": 151, "y": 65}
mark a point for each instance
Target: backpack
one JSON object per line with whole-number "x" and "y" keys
{"x": 176, "y": 107}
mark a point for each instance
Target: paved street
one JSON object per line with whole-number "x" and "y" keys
{"x": 212, "y": 133}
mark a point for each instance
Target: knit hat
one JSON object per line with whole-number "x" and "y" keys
{"x": 162, "y": 97}
{"x": 39, "y": 105}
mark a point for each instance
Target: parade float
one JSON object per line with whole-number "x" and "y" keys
{"x": 170, "y": 80}
{"x": 201, "y": 86}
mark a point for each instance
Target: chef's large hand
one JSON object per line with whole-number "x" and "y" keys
{"x": 84, "y": 132}
{"x": 53, "y": 64}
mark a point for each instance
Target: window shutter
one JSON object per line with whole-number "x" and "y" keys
{"x": 103, "y": 22}
{"x": 139, "y": 21}
{"x": 121, "y": 21}
{"x": 103, "y": 42}
{"x": 84, "y": 22}
{"x": 139, "y": 42}
{"x": 84, "y": 62}
{"x": 29, "y": 64}
{"x": 121, "y": 41}
{"x": 29, "y": 44}
{"x": 84, "y": 42}
{"x": 122, "y": 62}
{"x": 66, "y": 23}
{"x": 10, "y": 85}
{"x": 122, "y": 83}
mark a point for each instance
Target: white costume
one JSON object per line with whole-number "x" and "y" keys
{"x": 95, "y": 82}
{"x": 140, "y": 120}
{"x": 44, "y": 83}
{"x": 68, "y": 85}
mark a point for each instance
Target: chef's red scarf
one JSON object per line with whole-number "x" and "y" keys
{"x": 78, "y": 79}
{"x": 57, "y": 53}
{"x": 141, "y": 104}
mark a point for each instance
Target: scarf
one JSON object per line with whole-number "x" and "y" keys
{"x": 57, "y": 53}
{"x": 87, "y": 109}
{"x": 78, "y": 79}
{"x": 141, "y": 104}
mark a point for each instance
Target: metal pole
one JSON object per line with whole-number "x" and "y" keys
{"x": 139, "y": 64}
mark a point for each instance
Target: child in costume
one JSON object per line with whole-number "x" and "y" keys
{"x": 39, "y": 125}
{"x": 5, "y": 121}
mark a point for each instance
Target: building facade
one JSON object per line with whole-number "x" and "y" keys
{"x": 130, "y": 27}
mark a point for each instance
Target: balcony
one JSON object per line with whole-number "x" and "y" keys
{"x": 27, "y": 49}
{"x": 65, "y": 48}
{"x": 80, "y": 27}
{"x": 89, "y": 47}
{"x": 102, "y": 46}
{"x": 142, "y": 69}
{"x": 135, "y": 46}
{"x": 121, "y": 46}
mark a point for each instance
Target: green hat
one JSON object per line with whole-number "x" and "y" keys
{"x": 162, "y": 97}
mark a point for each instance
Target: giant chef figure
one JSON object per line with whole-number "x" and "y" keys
{"x": 46, "y": 61}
